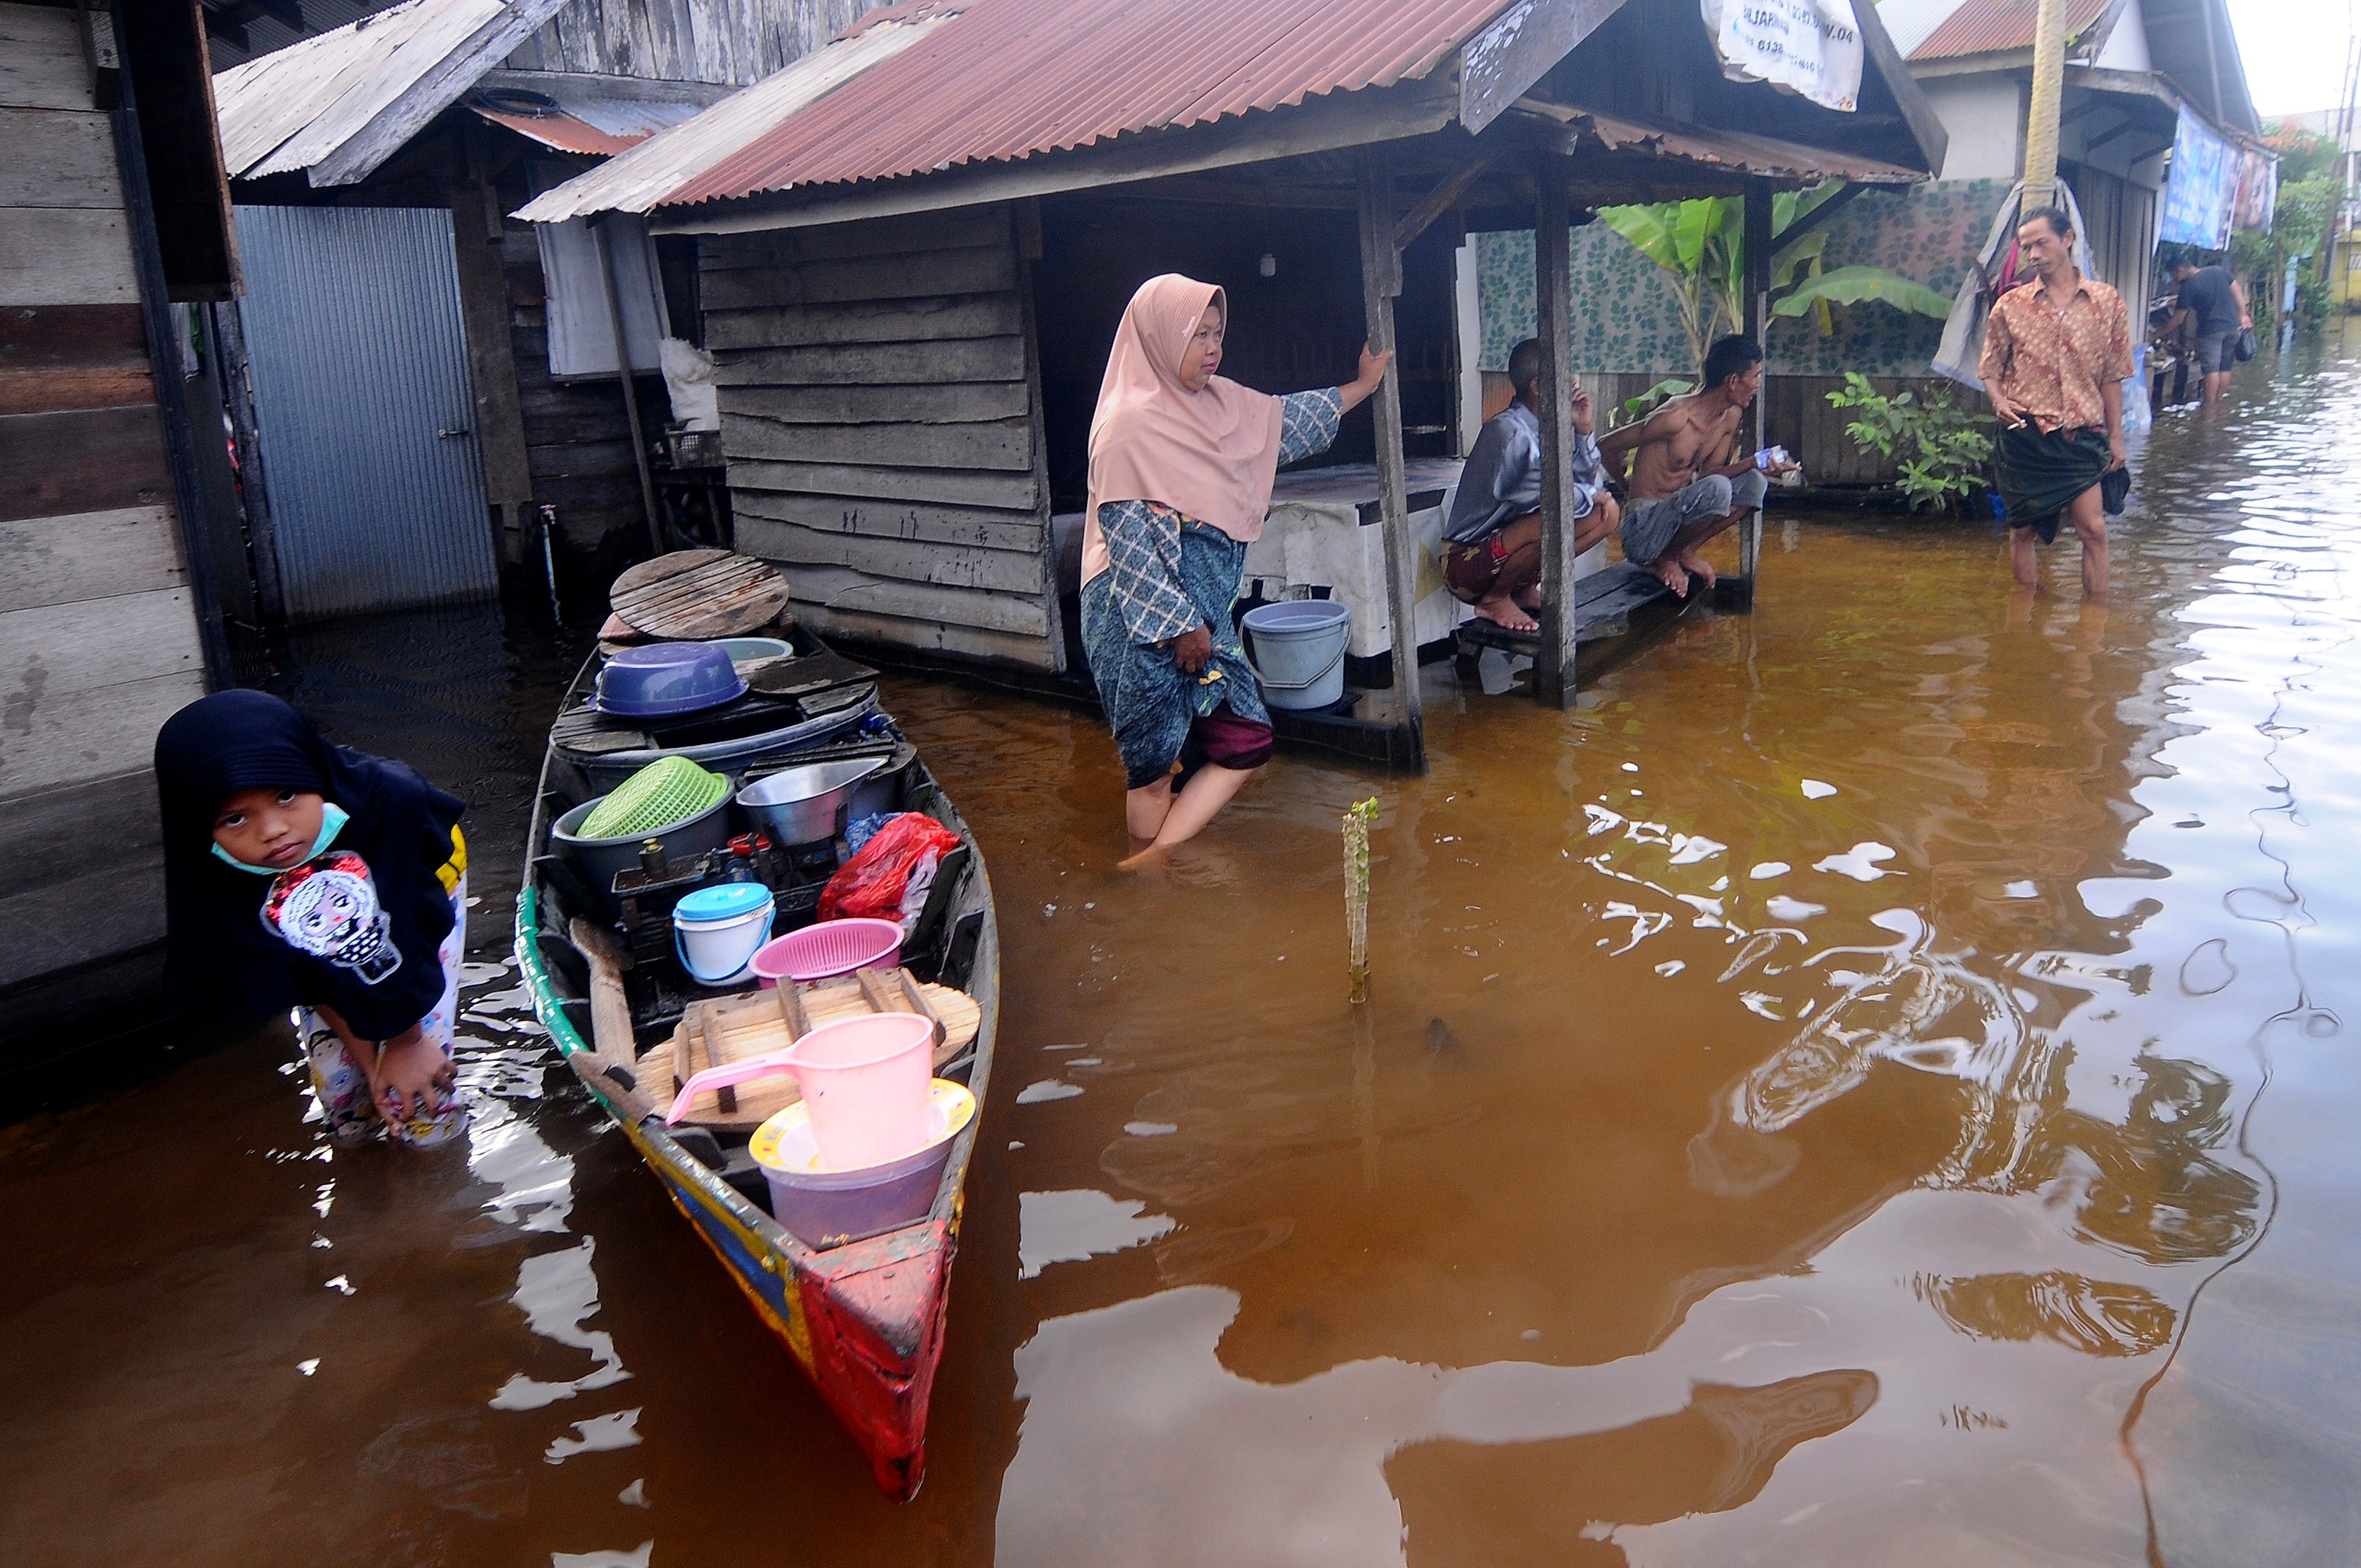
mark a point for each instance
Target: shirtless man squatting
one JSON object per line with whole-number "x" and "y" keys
{"x": 1681, "y": 497}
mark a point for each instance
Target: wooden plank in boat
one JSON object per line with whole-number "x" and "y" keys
{"x": 721, "y": 1030}
{"x": 700, "y": 593}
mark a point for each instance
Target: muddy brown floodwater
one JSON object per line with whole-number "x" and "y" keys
{"x": 1874, "y": 1085}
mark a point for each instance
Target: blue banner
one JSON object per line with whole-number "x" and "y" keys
{"x": 2201, "y": 197}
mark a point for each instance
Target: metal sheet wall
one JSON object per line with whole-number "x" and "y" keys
{"x": 365, "y": 412}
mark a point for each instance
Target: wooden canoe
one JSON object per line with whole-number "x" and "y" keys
{"x": 864, "y": 1318}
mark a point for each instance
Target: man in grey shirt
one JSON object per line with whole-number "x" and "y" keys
{"x": 2219, "y": 303}
{"x": 1492, "y": 541}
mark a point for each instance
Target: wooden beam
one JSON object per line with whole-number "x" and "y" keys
{"x": 1926, "y": 125}
{"x": 604, "y": 242}
{"x": 1381, "y": 284}
{"x": 1518, "y": 49}
{"x": 1437, "y": 201}
{"x": 1758, "y": 328}
{"x": 1817, "y": 215}
{"x": 1553, "y": 676}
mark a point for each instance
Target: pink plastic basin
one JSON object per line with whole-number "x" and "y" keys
{"x": 828, "y": 949}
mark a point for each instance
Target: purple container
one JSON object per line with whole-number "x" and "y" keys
{"x": 667, "y": 678}
{"x": 828, "y": 1208}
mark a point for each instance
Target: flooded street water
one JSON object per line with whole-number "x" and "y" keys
{"x": 1875, "y": 1084}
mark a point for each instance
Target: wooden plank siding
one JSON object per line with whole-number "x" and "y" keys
{"x": 99, "y": 642}
{"x": 881, "y": 416}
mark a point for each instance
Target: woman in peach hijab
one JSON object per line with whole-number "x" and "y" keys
{"x": 1181, "y": 464}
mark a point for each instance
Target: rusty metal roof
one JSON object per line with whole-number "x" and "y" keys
{"x": 580, "y": 112}
{"x": 1727, "y": 149}
{"x": 1995, "y": 27}
{"x": 638, "y": 180}
{"x": 1002, "y": 79}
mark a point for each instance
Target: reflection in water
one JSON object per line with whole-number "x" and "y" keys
{"x": 1868, "y": 1086}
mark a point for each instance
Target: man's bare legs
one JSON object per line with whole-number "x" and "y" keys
{"x": 1516, "y": 596}
{"x": 2090, "y": 519}
{"x": 1521, "y": 568}
{"x": 2217, "y": 382}
{"x": 2087, "y": 512}
{"x": 1681, "y": 561}
{"x": 1211, "y": 788}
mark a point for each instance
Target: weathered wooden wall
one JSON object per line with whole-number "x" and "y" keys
{"x": 880, "y": 410}
{"x": 98, "y": 641}
{"x": 734, "y": 41}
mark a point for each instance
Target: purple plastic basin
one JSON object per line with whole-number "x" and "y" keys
{"x": 828, "y": 1208}
{"x": 666, "y": 678}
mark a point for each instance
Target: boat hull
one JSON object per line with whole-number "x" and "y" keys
{"x": 864, "y": 1321}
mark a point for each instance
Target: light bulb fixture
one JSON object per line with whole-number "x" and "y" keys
{"x": 1268, "y": 266}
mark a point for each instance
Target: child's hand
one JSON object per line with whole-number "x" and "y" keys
{"x": 412, "y": 1077}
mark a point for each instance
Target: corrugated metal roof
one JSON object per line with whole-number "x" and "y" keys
{"x": 1006, "y": 79}
{"x": 981, "y": 80}
{"x": 1989, "y": 26}
{"x": 638, "y": 180}
{"x": 580, "y": 112}
{"x": 1737, "y": 149}
{"x": 337, "y": 105}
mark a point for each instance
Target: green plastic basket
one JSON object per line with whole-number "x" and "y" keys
{"x": 667, "y": 791}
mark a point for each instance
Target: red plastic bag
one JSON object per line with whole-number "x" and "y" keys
{"x": 889, "y": 879}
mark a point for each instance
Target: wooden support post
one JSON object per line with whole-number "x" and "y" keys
{"x": 1554, "y": 677}
{"x": 623, "y": 378}
{"x": 1759, "y": 243}
{"x": 1381, "y": 284}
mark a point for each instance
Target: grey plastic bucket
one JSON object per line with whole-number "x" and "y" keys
{"x": 1297, "y": 651}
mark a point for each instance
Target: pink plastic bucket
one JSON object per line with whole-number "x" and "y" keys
{"x": 866, "y": 1080}
{"x": 828, "y": 949}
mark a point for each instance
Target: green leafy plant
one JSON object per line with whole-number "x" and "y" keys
{"x": 1937, "y": 448}
{"x": 1653, "y": 398}
{"x": 1700, "y": 247}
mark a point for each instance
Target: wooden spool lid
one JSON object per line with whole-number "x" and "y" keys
{"x": 699, "y": 594}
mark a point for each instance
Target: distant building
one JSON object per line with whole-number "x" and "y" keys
{"x": 2133, "y": 67}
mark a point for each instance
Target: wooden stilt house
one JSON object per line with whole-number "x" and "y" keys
{"x": 112, "y": 215}
{"x": 916, "y": 244}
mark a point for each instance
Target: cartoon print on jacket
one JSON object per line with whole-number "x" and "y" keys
{"x": 328, "y": 907}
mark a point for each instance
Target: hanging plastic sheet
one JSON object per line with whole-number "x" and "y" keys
{"x": 1809, "y": 46}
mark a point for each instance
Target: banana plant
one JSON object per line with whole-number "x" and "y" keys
{"x": 1700, "y": 247}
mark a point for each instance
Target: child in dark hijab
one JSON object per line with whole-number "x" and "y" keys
{"x": 301, "y": 874}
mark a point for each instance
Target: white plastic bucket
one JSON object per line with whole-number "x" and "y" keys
{"x": 1296, "y": 649}
{"x": 720, "y": 950}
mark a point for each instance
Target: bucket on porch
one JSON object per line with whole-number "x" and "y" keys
{"x": 865, "y": 1079}
{"x": 716, "y": 930}
{"x": 1296, "y": 649}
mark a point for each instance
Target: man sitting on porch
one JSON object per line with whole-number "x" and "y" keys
{"x": 1492, "y": 541}
{"x": 1686, "y": 485}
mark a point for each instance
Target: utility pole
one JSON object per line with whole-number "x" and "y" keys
{"x": 2048, "y": 88}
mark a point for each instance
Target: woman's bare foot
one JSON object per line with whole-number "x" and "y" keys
{"x": 1503, "y": 612}
{"x": 1667, "y": 571}
{"x": 1151, "y": 859}
{"x": 1697, "y": 565}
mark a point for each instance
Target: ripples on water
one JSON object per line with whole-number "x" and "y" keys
{"x": 1873, "y": 1085}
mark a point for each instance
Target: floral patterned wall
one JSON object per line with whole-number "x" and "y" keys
{"x": 1625, "y": 320}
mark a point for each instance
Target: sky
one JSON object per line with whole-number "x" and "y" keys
{"x": 2294, "y": 52}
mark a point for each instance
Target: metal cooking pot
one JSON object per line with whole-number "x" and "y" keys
{"x": 806, "y": 804}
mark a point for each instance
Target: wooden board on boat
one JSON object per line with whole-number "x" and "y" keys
{"x": 717, "y": 1031}
{"x": 699, "y": 594}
